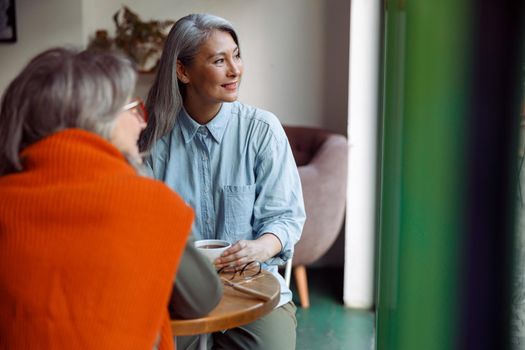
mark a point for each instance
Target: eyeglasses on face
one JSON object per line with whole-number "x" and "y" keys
{"x": 244, "y": 272}
{"x": 137, "y": 105}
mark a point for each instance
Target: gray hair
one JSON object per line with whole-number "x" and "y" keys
{"x": 165, "y": 98}
{"x": 59, "y": 89}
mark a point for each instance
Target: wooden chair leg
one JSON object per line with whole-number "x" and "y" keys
{"x": 302, "y": 285}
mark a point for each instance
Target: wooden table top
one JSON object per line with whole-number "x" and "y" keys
{"x": 235, "y": 308}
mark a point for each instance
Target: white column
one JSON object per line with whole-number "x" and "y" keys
{"x": 363, "y": 102}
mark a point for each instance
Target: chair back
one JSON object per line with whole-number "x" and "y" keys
{"x": 321, "y": 158}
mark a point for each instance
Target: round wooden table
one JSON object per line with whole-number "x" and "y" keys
{"x": 235, "y": 308}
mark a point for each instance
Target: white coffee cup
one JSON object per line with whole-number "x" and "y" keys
{"x": 212, "y": 248}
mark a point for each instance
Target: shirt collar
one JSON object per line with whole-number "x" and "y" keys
{"x": 216, "y": 126}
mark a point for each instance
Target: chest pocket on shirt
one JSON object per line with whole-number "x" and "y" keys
{"x": 238, "y": 207}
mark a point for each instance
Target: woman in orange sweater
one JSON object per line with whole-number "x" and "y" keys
{"x": 88, "y": 247}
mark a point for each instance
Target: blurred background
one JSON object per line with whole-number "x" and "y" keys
{"x": 430, "y": 99}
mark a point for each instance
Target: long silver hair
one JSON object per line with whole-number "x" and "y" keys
{"x": 59, "y": 89}
{"x": 165, "y": 98}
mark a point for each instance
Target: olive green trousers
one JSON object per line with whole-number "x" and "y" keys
{"x": 275, "y": 331}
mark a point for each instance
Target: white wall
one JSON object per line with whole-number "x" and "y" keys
{"x": 295, "y": 51}
{"x": 365, "y": 35}
{"x": 40, "y": 25}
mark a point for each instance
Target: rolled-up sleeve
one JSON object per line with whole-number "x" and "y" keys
{"x": 197, "y": 289}
{"x": 279, "y": 205}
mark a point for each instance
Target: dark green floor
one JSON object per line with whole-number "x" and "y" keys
{"x": 327, "y": 324}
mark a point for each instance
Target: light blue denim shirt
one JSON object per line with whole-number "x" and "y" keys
{"x": 239, "y": 175}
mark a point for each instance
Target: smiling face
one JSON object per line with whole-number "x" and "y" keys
{"x": 213, "y": 76}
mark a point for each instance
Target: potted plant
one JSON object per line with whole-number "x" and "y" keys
{"x": 141, "y": 41}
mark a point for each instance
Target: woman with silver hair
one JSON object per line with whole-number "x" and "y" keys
{"x": 88, "y": 248}
{"x": 231, "y": 162}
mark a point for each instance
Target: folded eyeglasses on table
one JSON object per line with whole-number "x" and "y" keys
{"x": 235, "y": 277}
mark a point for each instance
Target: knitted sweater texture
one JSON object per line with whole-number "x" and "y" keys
{"x": 88, "y": 249}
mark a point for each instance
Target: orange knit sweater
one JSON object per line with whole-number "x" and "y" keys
{"x": 88, "y": 249}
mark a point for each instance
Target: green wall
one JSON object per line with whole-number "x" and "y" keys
{"x": 423, "y": 167}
